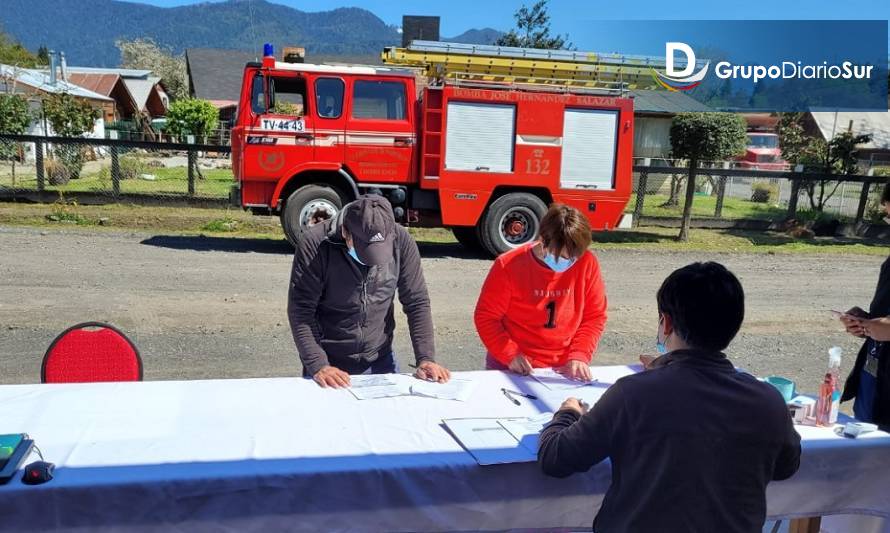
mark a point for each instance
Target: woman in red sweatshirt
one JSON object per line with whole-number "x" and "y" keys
{"x": 544, "y": 303}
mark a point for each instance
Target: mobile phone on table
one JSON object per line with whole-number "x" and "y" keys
{"x": 8, "y": 444}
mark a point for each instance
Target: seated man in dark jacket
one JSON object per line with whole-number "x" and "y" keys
{"x": 340, "y": 304}
{"x": 693, "y": 442}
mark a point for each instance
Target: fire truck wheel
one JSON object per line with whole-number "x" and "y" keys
{"x": 510, "y": 221}
{"x": 305, "y": 207}
{"x": 468, "y": 237}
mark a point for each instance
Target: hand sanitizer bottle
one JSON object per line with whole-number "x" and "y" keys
{"x": 829, "y": 394}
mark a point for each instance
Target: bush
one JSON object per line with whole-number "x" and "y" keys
{"x": 191, "y": 116}
{"x": 131, "y": 167}
{"x": 71, "y": 156}
{"x": 764, "y": 192}
{"x": 56, "y": 172}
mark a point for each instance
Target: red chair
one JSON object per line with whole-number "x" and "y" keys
{"x": 91, "y": 352}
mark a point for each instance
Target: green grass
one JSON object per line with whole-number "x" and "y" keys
{"x": 216, "y": 183}
{"x": 235, "y": 223}
{"x": 703, "y": 206}
{"x": 221, "y": 225}
{"x": 733, "y": 241}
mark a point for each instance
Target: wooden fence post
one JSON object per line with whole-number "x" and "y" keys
{"x": 863, "y": 201}
{"x": 38, "y": 162}
{"x": 115, "y": 172}
{"x": 193, "y": 160}
{"x": 641, "y": 197}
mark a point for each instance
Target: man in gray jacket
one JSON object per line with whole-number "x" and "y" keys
{"x": 340, "y": 304}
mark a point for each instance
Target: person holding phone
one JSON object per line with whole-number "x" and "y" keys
{"x": 869, "y": 381}
{"x": 544, "y": 304}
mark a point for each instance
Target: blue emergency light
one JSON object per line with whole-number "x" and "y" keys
{"x": 268, "y": 50}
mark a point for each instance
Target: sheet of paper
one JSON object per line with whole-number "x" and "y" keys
{"x": 372, "y": 387}
{"x": 488, "y": 441}
{"x": 455, "y": 389}
{"x": 527, "y": 430}
{"x": 553, "y": 380}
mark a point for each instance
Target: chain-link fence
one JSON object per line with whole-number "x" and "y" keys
{"x": 113, "y": 168}
{"x": 723, "y": 190}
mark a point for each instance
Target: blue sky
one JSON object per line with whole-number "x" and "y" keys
{"x": 571, "y": 15}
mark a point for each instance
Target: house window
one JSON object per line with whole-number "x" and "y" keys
{"x": 380, "y": 100}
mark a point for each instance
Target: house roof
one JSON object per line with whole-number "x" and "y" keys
{"x": 658, "y": 102}
{"x": 40, "y": 80}
{"x": 875, "y": 123}
{"x": 141, "y": 89}
{"x": 215, "y": 74}
{"x": 98, "y": 83}
{"x": 122, "y": 72}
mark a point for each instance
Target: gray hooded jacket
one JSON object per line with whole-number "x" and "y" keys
{"x": 341, "y": 312}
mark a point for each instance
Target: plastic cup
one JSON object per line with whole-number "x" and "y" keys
{"x": 783, "y": 385}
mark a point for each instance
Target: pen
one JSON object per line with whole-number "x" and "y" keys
{"x": 512, "y": 399}
{"x": 529, "y": 396}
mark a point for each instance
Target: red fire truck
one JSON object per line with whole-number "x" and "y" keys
{"x": 481, "y": 153}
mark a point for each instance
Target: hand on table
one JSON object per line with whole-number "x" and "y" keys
{"x": 330, "y": 376}
{"x": 430, "y": 371}
{"x": 520, "y": 365}
{"x": 576, "y": 370}
{"x": 876, "y": 328}
{"x": 574, "y": 404}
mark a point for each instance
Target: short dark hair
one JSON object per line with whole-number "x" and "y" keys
{"x": 885, "y": 195}
{"x": 565, "y": 229}
{"x": 706, "y": 304}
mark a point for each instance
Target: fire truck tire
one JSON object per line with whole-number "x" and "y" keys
{"x": 468, "y": 237}
{"x": 510, "y": 221}
{"x": 296, "y": 217}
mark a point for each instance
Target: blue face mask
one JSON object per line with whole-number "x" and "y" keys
{"x": 659, "y": 344}
{"x": 558, "y": 264}
{"x": 354, "y": 255}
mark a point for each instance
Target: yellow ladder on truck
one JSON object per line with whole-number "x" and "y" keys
{"x": 485, "y": 64}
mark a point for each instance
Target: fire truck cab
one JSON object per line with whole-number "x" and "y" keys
{"x": 484, "y": 159}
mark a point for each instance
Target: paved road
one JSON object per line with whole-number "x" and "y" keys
{"x": 215, "y": 308}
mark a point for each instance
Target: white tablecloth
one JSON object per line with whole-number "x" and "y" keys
{"x": 277, "y": 454}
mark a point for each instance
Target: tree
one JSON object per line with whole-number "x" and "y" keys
{"x": 14, "y": 114}
{"x": 43, "y": 55}
{"x": 13, "y": 53}
{"x": 14, "y": 119}
{"x": 146, "y": 54}
{"x": 533, "y": 30}
{"x": 704, "y": 136}
{"x": 837, "y": 156}
{"x": 191, "y": 116}
{"x": 69, "y": 117}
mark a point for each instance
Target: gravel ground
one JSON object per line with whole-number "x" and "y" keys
{"x": 215, "y": 307}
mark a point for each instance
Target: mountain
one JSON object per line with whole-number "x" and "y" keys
{"x": 474, "y": 36}
{"x": 86, "y": 30}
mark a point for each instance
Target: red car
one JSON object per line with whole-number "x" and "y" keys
{"x": 763, "y": 153}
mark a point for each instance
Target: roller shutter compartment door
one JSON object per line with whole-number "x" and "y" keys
{"x": 588, "y": 149}
{"x": 480, "y": 137}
